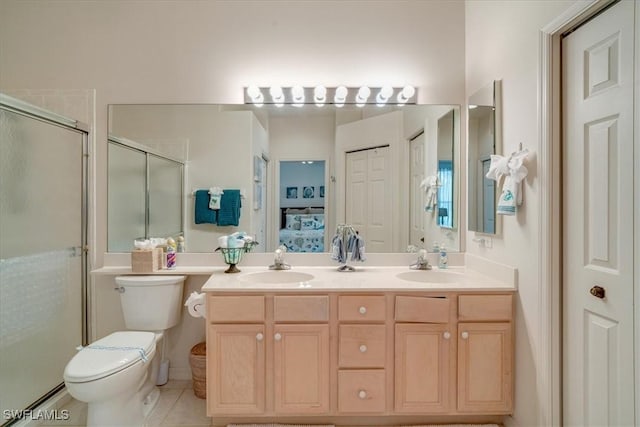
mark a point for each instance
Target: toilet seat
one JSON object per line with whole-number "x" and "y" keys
{"x": 109, "y": 355}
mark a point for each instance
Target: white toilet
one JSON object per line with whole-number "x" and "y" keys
{"x": 116, "y": 375}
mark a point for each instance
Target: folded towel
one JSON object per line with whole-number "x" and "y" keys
{"x": 513, "y": 170}
{"x": 337, "y": 249}
{"x": 509, "y": 197}
{"x": 230, "y": 204}
{"x": 356, "y": 248}
{"x": 204, "y": 215}
{"x": 430, "y": 186}
{"x": 215, "y": 194}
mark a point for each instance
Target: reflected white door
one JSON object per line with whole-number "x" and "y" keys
{"x": 368, "y": 196}
{"x": 417, "y": 195}
{"x": 598, "y": 366}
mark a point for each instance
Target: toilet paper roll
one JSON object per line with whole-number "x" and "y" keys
{"x": 195, "y": 304}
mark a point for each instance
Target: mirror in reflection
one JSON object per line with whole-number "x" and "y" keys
{"x": 372, "y": 162}
{"x": 484, "y": 140}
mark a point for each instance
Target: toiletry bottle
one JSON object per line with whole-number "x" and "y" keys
{"x": 443, "y": 260}
{"x": 436, "y": 247}
{"x": 171, "y": 257}
{"x": 180, "y": 243}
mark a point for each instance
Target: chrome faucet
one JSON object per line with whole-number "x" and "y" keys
{"x": 278, "y": 260}
{"x": 422, "y": 263}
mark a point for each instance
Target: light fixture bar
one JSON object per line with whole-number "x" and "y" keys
{"x": 338, "y": 96}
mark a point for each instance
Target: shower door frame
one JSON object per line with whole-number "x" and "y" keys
{"x": 17, "y": 106}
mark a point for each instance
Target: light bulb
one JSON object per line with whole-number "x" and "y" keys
{"x": 320, "y": 95}
{"x": 340, "y": 96}
{"x": 256, "y": 96}
{"x": 384, "y": 95}
{"x": 408, "y": 91}
{"x": 276, "y": 94}
{"x": 405, "y": 94}
{"x": 297, "y": 92}
{"x": 363, "y": 95}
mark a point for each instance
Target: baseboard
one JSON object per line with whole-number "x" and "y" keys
{"x": 510, "y": 422}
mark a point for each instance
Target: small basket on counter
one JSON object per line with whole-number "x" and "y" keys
{"x": 232, "y": 256}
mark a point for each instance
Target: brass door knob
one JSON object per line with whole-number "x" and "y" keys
{"x": 597, "y": 291}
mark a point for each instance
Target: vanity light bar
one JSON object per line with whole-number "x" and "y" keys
{"x": 320, "y": 95}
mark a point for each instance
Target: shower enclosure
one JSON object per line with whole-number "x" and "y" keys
{"x": 43, "y": 241}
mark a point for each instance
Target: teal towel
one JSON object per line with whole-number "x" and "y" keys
{"x": 204, "y": 215}
{"x": 230, "y": 204}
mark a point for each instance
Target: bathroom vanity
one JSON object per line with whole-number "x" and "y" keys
{"x": 315, "y": 345}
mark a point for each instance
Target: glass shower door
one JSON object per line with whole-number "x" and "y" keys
{"x": 42, "y": 257}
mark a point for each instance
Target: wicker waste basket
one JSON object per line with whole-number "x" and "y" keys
{"x": 198, "y": 361}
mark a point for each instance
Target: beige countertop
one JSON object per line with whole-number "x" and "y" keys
{"x": 381, "y": 272}
{"x": 365, "y": 278}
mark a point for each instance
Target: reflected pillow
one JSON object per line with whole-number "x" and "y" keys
{"x": 307, "y": 223}
{"x": 292, "y": 222}
{"x": 318, "y": 221}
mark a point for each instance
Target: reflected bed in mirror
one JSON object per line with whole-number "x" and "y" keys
{"x": 374, "y": 159}
{"x": 484, "y": 140}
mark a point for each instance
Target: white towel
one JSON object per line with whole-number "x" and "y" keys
{"x": 430, "y": 186}
{"x": 513, "y": 171}
{"x": 215, "y": 195}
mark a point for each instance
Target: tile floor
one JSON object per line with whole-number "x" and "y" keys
{"x": 177, "y": 407}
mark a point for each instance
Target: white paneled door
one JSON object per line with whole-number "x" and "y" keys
{"x": 368, "y": 197}
{"x": 417, "y": 194}
{"x": 598, "y": 158}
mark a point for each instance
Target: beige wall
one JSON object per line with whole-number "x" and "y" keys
{"x": 502, "y": 42}
{"x": 206, "y": 51}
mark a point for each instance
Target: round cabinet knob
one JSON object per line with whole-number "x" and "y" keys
{"x": 447, "y": 335}
{"x": 277, "y": 337}
{"x": 259, "y": 336}
{"x": 363, "y": 348}
{"x": 363, "y": 310}
{"x": 465, "y": 335}
{"x": 362, "y": 394}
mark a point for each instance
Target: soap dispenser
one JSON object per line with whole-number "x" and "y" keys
{"x": 443, "y": 261}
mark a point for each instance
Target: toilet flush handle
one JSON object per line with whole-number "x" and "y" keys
{"x": 119, "y": 289}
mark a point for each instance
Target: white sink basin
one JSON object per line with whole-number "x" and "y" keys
{"x": 277, "y": 276}
{"x": 430, "y": 276}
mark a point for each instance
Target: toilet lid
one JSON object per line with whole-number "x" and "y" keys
{"x": 109, "y": 355}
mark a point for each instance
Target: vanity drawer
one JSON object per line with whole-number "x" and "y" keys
{"x": 359, "y": 308}
{"x": 422, "y": 309}
{"x": 226, "y": 309}
{"x": 485, "y": 307}
{"x": 301, "y": 308}
{"x": 361, "y": 391}
{"x": 362, "y": 346}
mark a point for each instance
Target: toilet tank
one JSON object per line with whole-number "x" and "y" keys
{"x": 150, "y": 303}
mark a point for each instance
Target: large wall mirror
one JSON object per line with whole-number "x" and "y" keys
{"x": 484, "y": 140}
{"x": 301, "y": 171}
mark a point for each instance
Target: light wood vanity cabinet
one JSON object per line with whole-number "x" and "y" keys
{"x": 485, "y": 354}
{"x": 245, "y": 343}
{"x": 344, "y": 354}
{"x": 423, "y": 352}
{"x": 362, "y": 354}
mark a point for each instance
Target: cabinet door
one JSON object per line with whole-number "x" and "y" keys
{"x": 301, "y": 369}
{"x": 422, "y": 366}
{"x": 485, "y": 368}
{"x": 235, "y": 369}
